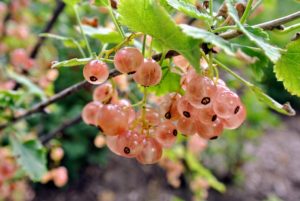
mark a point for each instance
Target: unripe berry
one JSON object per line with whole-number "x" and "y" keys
{"x": 57, "y": 153}
{"x": 128, "y": 60}
{"x": 148, "y": 74}
{"x": 96, "y": 72}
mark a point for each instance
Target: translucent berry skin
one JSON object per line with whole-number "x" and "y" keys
{"x": 186, "y": 126}
{"x": 128, "y": 59}
{"x": 148, "y": 74}
{"x": 111, "y": 120}
{"x": 206, "y": 115}
{"x": 96, "y": 72}
{"x": 126, "y": 107}
{"x": 226, "y": 103}
{"x": 130, "y": 144}
{"x": 103, "y": 92}
{"x": 89, "y": 112}
{"x": 166, "y": 134}
{"x": 151, "y": 153}
{"x": 201, "y": 91}
{"x": 209, "y": 131}
{"x": 168, "y": 106}
{"x": 236, "y": 120}
{"x": 152, "y": 116}
{"x": 185, "y": 108}
{"x": 111, "y": 142}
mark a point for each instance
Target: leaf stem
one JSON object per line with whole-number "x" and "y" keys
{"x": 81, "y": 30}
{"x": 224, "y": 28}
{"x": 247, "y": 12}
{"x": 144, "y": 44}
{"x": 289, "y": 29}
{"x": 111, "y": 12}
{"x": 211, "y": 12}
{"x": 79, "y": 47}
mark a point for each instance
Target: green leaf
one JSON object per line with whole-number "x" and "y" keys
{"x": 9, "y": 98}
{"x": 284, "y": 109}
{"x": 189, "y": 9}
{"x": 209, "y": 37}
{"x": 272, "y": 52}
{"x": 71, "y": 2}
{"x": 31, "y": 156}
{"x": 101, "y": 2}
{"x": 287, "y": 69}
{"x": 170, "y": 82}
{"x": 71, "y": 63}
{"x": 105, "y": 35}
{"x": 32, "y": 88}
{"x": 149, "y": 17}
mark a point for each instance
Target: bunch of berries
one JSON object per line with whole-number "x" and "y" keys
{"x": 206, "y": 108}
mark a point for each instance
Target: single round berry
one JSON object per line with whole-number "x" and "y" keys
{"x": 152, "y": 116}
{"x": 126, "y": 107}
{"x": 112, "y": 120}
{"x": 185, "y": 108}
{"x": 237, "y": 119}
{"x": 201, "y": 91}
{"x": 168, "y": 106}
{"x": 186, "y": 126}
{"x": 111, "y": 142}
{"x": 209, "y": 131}
{"x": 206, "y": 115}
{"x": 130, "y": 143}
{"x": 128, "y": 60}
{"x": 60, "y": 176}
{"x": 166, "y": 134}
{"x": 96, "y": 72}
{"x": 226, "y": 104}
{"x": 103, "y": 92}
{"x": 56, "y": 154}
{"x": 89, "y": 112}
{"x": 148, "y": 74}
{"x": 151, "y": 153}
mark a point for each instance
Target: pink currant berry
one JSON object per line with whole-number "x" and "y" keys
{"x": 166, "y": 133}
{"x": 186, "y": 126}
{"x": 90, "y": 111}
{"x": 130, "y": 143}
{"x": 103, "y": 92}
{"x": 148, "y": 74}
{"x": 151, "y": 153}
{"x": 237, "y": 119}
{"x": 60, "y": 176}
{"x": 152, "y": 116}
{"x": 168, "y": 106}
{"x": 96, "y": 72}
{"x": 128, "y": 60}
{"x": 206, "y": 115}
{"x": 185, "y": 108}
{"x": 209, "y": 131}
{"x": 111, "y": 142}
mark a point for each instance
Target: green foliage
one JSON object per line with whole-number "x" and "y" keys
{"x": 287, "y": 69}
{"x": 149, "y": 17}
{"x": 105, "y": 35}
{"x": 272, "y": 52}
{"x": 101, "y": 2}
{"x": 209, "y": 37}
{"x": 9, "y": 99}
{"x": 71, "y": 63}
{"x": 170, "y": 82}
{"x": 71, "y": 2}
{"x": 31, "y": 156}
{"x": 189, "y": 9}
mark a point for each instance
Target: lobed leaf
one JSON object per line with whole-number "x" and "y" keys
{"x": 105, "y": 35}
{"x": 149, "y": 17}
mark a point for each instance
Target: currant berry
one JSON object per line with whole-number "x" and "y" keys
{"x": 237, "y": 119}
{"x": 201, "y": 91}
{"x": 151, "y": 153}
{"x": 130, "y": 143}
{"x": 152, "y": 116}
{"x": 96, "y": 72}
{"x": 90, "y": 111}
{"x": 209, "y": 131}
{"x": 166, "y": 134}
{"x": 19, "y": 58}
{"x": 206, "y": 115}
{"x": 148, "y": 74}
{"x": 185, "y": 108}
{"x": 56, "y": 154}
{"x": 226, "y": 104}
{"x": 103, "y": 92}
{"x": 126, "y": 107}
{"x": 128, "y": 60}
{"x": 111, "y": 120}
{"x": 60, "y": 176}
{"x": 111, "y": 142}
{"x": 186, "y": 126}
{"x": 168, "y": 106}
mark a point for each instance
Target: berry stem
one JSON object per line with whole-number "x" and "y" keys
{"x": 211, "y": 12}
{"x": 81, "y": 30}
{"x": 289, "y": 29}
{"x": 144, "y": 44}
{"x": 111, "y": 12}
{"x": 247, "y": 12}
{"x": 144, "y": 102}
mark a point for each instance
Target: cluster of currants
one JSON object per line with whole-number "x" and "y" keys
{"x": 206, "y": 108}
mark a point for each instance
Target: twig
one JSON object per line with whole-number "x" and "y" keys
{"x": 46, "y": 137}
{"x": 58, "y": 10}
{"x": 266, "y": 25}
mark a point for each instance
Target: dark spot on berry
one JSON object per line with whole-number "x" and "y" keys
{"x": 126, "y": 150}
{"x": 130, "y": 73}
{"x": 186, "y": 114}
{"x": 175, "y": 132}
{"x": 168, "y": 115}
{"x": 237, "y": 109}
{"x": 214, "y": 138}
{"x": 214, "y": 118}
{"x": 205, "y": 100}
{"x": 93, "y": 79}
{"x": 99, "y": 128}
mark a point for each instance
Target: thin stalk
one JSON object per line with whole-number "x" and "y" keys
{"x": 224, "y": 28}
{"x": 256, "y": 5}
{"x": 144, "y": 44}
{"x": 79, "y": 48}
{"x": 290, "y": 28}
{"x": 224, "y": 67}
{"x": 211, "y": 12}
{"x": 81, "y": 30}
{"x": 111, "y": 12}
{"x": 163, "y": 55}
{"x": 247, "y": 12}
